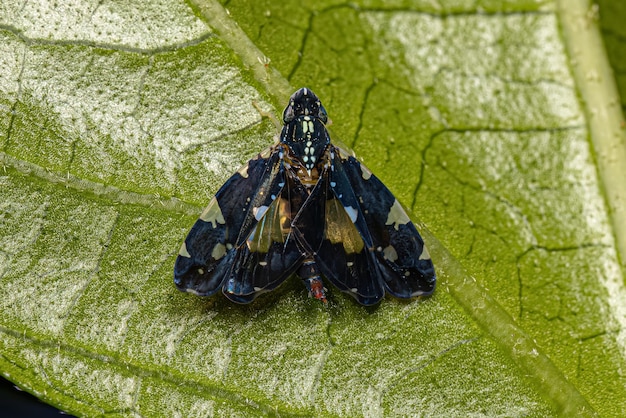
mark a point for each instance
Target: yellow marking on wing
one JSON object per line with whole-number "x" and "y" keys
{"x": 274, "y": 226}
{"x": 365, "y": 172}
{"x": 341, "y": 229}
{"x": 267, "y": 152}
{"x": 397, "y": 216}
{"x": 212, "y": 213}
{"x": 183, "y": 251}
{"x": 243, "y": 171}
{"x": 218, "y": 251}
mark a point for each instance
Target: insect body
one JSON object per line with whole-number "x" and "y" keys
{"x": 304, "y": 206}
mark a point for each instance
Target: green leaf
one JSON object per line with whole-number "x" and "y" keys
{"x": 611, "y": 15}
{"x": 495, "y": 122}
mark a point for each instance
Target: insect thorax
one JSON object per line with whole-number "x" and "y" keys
{"x": 307, "y": 140}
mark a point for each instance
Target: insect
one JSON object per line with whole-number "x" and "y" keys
{"x": 304, "y": 206}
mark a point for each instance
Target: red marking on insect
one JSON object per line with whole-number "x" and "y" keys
{"x": 317, "y": 289}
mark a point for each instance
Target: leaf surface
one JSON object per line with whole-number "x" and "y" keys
{"x": 118, "y": 123}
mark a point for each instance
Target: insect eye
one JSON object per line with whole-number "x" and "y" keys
{"x": 289, "y": 114}
{"x": 321, "y": 113}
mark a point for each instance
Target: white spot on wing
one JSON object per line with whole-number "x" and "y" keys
{"x": 352, "y": 213}
{"x": 424, "y": 255}
{"x": 259, "y": 212}
{"x": 389, "y": 253}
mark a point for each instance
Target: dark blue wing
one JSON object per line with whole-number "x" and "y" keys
{"x": 217, "y": 253}
{"x": 397, "y": 256}
{"x": 269, "y": 253}
{"x": 326, "y": 229}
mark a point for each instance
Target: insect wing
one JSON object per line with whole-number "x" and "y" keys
{"x": 206, "y": 257}
{"x": 401, "y": 258}
{"x": 269, "y": 253}
{"x": 342, "y": 253}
